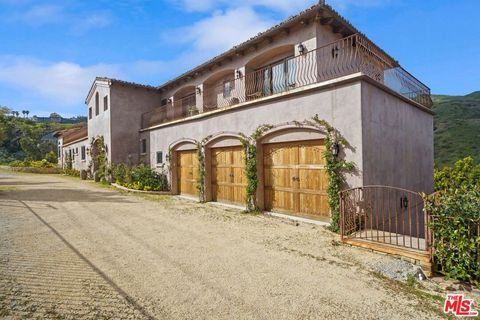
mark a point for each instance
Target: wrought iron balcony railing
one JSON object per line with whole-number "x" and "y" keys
{"x": 344, "y": 57}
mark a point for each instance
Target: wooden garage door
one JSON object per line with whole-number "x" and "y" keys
{"x": 228, "y": 175}
{"x": 295, "y": 179}
{"x": 187, "y": 164}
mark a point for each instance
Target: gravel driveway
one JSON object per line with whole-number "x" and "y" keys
{"x": 70, "y": 249}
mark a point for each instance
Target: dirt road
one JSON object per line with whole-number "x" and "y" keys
{"x": 72, "y": 250}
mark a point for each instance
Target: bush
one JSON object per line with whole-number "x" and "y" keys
{"x": 71, "y": 172}
{"x": 464, "y": 174}
{"x": 455, "y": 220}
{"x": 51, "y": 157}
{"x": 32, "y": 164}
{"x": 140, "y": 177}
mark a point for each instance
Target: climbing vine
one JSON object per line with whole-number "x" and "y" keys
{"x": 250, "y": 146}
{"x": 335, "y": 168}
{"x": 201, "y": 169}
{"x": 98, "y": 155}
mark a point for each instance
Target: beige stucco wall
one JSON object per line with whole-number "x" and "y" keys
{"x": 397, "y": 141}
{"x": 100, "y": 125}
{"x": 128, "y": 105}
{"x": 120, "y": 124}
{"x": 340, "y": 106}
{"x": 77, "y": 162}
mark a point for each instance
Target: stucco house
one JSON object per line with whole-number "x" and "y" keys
{"x": 73, "y": 147}
{"x": 313, "y": 64}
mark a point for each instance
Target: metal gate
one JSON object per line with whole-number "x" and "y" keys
{"x": 387, "y": 215}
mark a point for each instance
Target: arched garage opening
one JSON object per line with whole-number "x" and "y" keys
{"x": 184, "y": 167}
{"x": 291, "y": 172}
{"x": 225, "y": 178}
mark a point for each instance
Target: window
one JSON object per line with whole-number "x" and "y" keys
{"x": 227, "y": 89}
{"x": 159, "y": 157}
{"x": 163, "y": 102}
{"x": 144, "y": 146}
{"x": 76, "y": 150}
{"x": 84, "y": 153}
{"x": 90, "y": 113}
{"x": 105, "y": 103}
{"x": 97, "y": 104}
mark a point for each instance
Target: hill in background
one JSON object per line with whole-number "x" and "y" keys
{"x": 456, "y": 128}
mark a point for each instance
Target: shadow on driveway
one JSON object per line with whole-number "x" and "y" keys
{"x": 62, "y": 195}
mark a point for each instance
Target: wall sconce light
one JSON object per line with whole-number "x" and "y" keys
{"x": 302, "y": 49}
{"x": 169, "y": 100}
{"x": 199, "y": 90}
{"x": 404, "y": 202}
{"x": 238, "y": 74}
{"x": 335, "y": 149}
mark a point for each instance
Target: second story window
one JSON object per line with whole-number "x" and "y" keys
{"x": 90, "y": 113}
{"x": 105, "y": 103}
{"x": 143, "y": 146}
{"x": 83, "y": 154}
{"x": 227, "y": 89}
{"x": 97, "y": 104}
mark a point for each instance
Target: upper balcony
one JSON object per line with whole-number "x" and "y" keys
{"x": 350, "y": 55}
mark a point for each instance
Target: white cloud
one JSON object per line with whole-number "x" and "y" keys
{"x": 285, "y": 6}
{"x": 62, "y": 83}
{"x": 220, "y": 31}
{"x": 93, "y": 21}
{"x": 345, "y": 4}
{"x": 38, "y": 15}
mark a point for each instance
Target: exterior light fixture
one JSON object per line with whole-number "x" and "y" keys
{"x": 199, "y": 90}
{"x": 404, "y": 202}
{"x": 169, "y": 100}
{"x": 335, "y": 149}
{"x": 302, "y": 49}
{"x": 238, "y": 73}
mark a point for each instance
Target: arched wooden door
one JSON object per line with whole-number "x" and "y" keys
{"x": 295, "y": 179}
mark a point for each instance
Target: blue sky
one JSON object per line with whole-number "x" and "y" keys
{"x": 50, "y": 51}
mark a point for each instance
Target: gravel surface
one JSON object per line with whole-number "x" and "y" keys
{"x": 72, "y": 250}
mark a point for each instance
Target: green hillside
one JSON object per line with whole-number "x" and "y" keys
{"x": 457, "y": 128}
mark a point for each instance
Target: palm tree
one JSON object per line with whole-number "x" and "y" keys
{"x": 27, "y": 112}
{"x": 24, "y": 112}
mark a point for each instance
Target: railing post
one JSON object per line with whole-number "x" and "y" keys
{"x": 342, "y": 216}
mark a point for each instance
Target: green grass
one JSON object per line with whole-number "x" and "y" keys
{"x": 457, "y": 128}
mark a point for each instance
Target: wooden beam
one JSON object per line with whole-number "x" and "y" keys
{"x": 327, "y": 21}
{"x": 285, "y": 31}
{"x": 338, "y": 29}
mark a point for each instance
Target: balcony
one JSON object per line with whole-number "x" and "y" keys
{"x": 344, "y": 57}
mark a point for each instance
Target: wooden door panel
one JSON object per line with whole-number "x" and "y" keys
{"x": 187, "y": 172}
{"x": 228, "y": 175}
{"x": 295, "y": 179}
{"x": 281, "y": 201}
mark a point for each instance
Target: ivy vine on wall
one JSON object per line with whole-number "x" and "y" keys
{"x": 335, "y": 167}
{"x": 98, "y": 154}
{"x": 201, "y": 169}
{"x": 250, "y": 147}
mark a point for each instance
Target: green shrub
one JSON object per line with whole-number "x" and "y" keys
{"x": 139, "y": 177}
{"x": 32, "y": 164}
{"x": 464, "y": 174}
{"x": 454, "y": 224}
{"x": 51, "y": 157}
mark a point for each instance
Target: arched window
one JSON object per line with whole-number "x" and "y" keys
{"x": 105, "y": 103}
{"x": 97, "y": 104}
